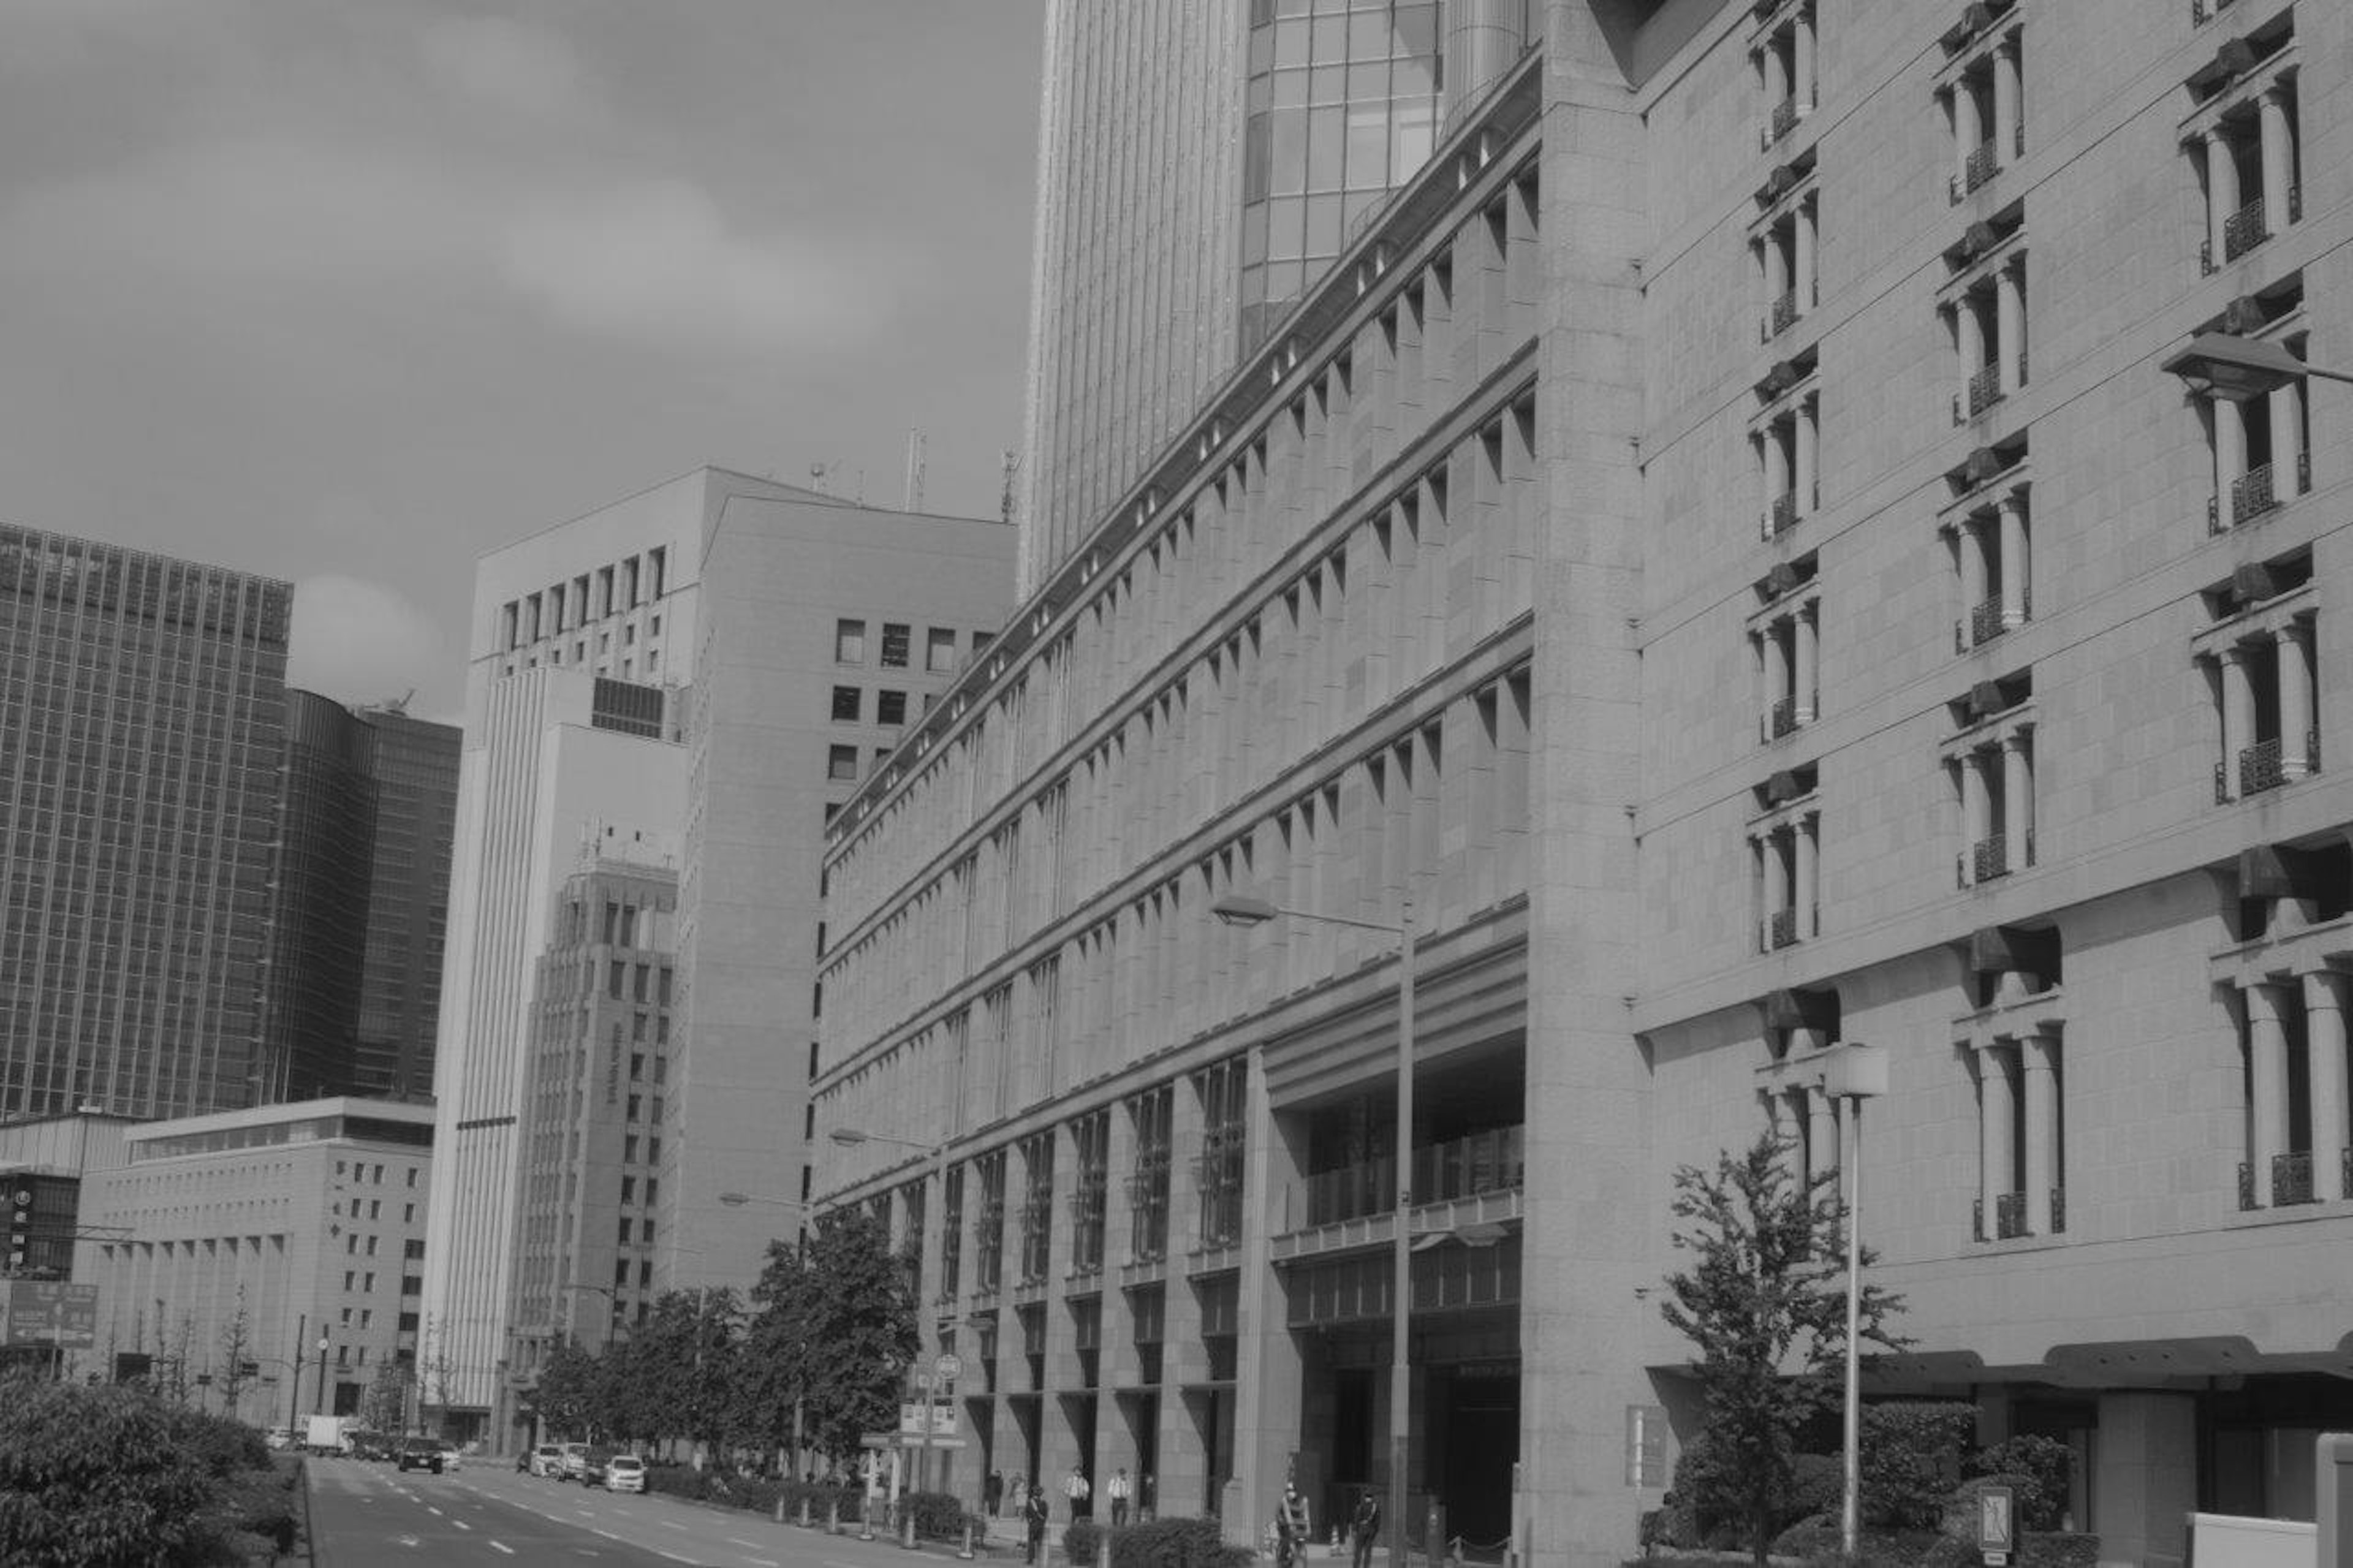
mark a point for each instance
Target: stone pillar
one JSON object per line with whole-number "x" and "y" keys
{"x": 2238, "y": 714}
{"x": 1997, "y": 1159}
{"x": 2266, "y": 1086}
{"x": 1973, "y": 566}
{"x": 1776, "y": 273}
{"x": 2332, "y": 1105}
{"x": 2005, "y": 104}
{"x": 2297, "y": 716}
{"x": 1803, "y": 842}
{"x": 1801, "y": 232}
{"x": 2010, "y": 522}
{"x": 2222, "y": 191}
{"x": 1777, "y": 73}
{"x": 2009, "y": 324}
{"x": 1967, "y": 132}
{"x": 1184, "y": 1461}
{"x": 2287, "y": 439}
{"x": 1267, "y": 1373}
{"x": 1801, "y": 61}
{"x": 1971, "y": 331}
{"x": 1804, "y": 432}
{"x": 1806, "y": 667}
{"x": 2279, "y": 157}
{"x": 1776, "y": 466}
{"x": 2018, "y": 798}
{"x": 2147, "y": 1479}
{"x": 2037, "y": 1062}
{"x": 1976, "y": 808}
{"x": 1777, "y": 888}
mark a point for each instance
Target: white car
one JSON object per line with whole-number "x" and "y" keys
{"x": 575, "y": 1462}
{"x": 623, "y": 1473}
{"x": 452, "y": 1459}
{"x": 547, "y": 1459}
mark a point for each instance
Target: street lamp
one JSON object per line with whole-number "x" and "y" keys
{"x": 2228, "y": 365}
{"x": 737, "y": 1201}
{"x": 1241, "y": 909}
{"x": 926, "y": 1331}
{"x": 319, "y": 1395}
{"x": 1852, "y": 1074}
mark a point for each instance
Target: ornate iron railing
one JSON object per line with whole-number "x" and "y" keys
{"x": 2058, "y": 1210}
{"x": 1990, "y": 857}
{"x": 1780, "y": 930}
{"x": 2244, "y": 230}
{"x": 1784, "y": 515}
{"x": 2009, "y": 1215}
{"x": 2246, "y": 1186}
{"x": 1785, "y": 118}
{"x": 1490, "y": 1161}
{"x": 2260, "y": 769}
{"x": 2252, "y": 494}
{"x": 1784, "y": 717}
{"x": 1784, "y": 311}
{"x": 2291, "y": 1179}
{"x": 1981, "y": 166}
{"x": 1985, "y": 389}
{"x": 1986, "y": 623}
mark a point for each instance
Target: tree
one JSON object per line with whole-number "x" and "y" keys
{"x": 384, "y": 1407}
{"x": 1764, "y": 1302}
{"x": 91, "y": 1475}
{"x": 236, "y": 1355}
{"x": 569, "y": 1397}
{"x": 836, "y": 1328}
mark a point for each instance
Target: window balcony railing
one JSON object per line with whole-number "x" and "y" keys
{"x": 2291, "y": 1179}
{"x": 1785, "y": 311}
{"x": 1981, "y": 166}
{"x": 1785, "y": 118}
{"x": 1782, "y": 718}
{"x": 2244, "y": 230}
{"x": 1781, "y": 930}
{"x": 2009, "y": 1215}
{"x": 2204, "y": 11}
{"x": 1783, "y": 515}
{"x": 1490, "y": 1161}
{"x": 1986, "y": 623}
{"x": 2252, "y": 494}
{"x": 2260, "y": 768}
{"x": 1985, "y": 389}
{"x": 1990, "y": 857}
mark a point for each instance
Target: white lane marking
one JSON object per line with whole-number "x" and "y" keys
{"x": 671, "y": 1524}
{"x": 407, "y": 1540}
{"x": 503, "y": 1546}
{"x": 431, "y": 1510}
{"x": 674, "y": 1557}
{"x": 461, "y": 1524}
{"x": 765, "y": 1562}
{"x": 611, "y": 1536}
{"x": 739, "y": 1541}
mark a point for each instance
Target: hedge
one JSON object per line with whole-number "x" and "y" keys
{"x": 1156, "y": 1544}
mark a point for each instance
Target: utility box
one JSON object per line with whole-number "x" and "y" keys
{"x": 2332, "y": 1497}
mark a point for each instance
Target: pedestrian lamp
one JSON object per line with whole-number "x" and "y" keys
{"x": 1242, "y": 910}
{"x": 319, "y": 1395}
{"x": 1852, "y": 1074}
{"x": 737, "y": 1201}
{"x": 926, "y": 1330}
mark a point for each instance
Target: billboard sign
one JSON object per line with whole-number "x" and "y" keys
{"x": 39, "y": 1312}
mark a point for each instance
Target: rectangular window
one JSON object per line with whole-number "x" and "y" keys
{"x": 849, "y": 704}
{"x": 841, "y": 765}
{"x": 889, "y": 708}
{"x": 849, "y": 642}
{"x": 898, "y": 640}
{"x": 940, "y": 650}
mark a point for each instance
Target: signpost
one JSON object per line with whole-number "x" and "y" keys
{"x": 1997, "y": 1525}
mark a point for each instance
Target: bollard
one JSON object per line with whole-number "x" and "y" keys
{"x": 833, "y": 1516}
{"x": 907, "y": 1527}
{"x": 966, "y": 1552}
{"x": 805, "y": 1510}
{"x": 866, "y": 1520}
{"x": 780, "y": 1508}
{"x": 1102, "y": 1548}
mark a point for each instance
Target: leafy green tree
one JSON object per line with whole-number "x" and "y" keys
{"x": 836, "y": 1328}
{"x": 384, "y": 1407}
{"x": 1764, "y": 1304}
{"x": 569, "y": 1398}
{"x": 95, "y": 1476}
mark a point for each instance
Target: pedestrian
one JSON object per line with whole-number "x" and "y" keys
{"x": 1117, "y": 1489}
{"x": 1017, "y": 1497}
{"x": 1143, "y": 1496}
{"x": 1363, "y": 1526}
{"x": 1034, "y": 1516}
{"x": 992, "y": 1492}
{"x": 1291, "y": 1527}
{"x": 1076, "y": 1487}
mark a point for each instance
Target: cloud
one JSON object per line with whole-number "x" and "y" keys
{"x": 360, "y": 641}
{"x": 511, "y": 65}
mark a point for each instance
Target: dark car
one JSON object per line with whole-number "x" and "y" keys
{"x": 421, "y": 1454}
{"x": 373, "y": 1445}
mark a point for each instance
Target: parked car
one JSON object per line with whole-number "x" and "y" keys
{"x": 576, "y": 1461}
{"x": 621, "y": 1473}
{"x": 547, "y": 1459}
{"x": 420, "y": 1453}
{"x": 279, "y": 1439}
{"x": 452, "y": 1458}
{"x": 373, "y": 1445}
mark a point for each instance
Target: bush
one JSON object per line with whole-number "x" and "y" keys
{"x": 940, "y": 1516}
{"x": 2039, "y": 1468}
{"x": 1911, "y": 1458}
{"x": 1156, "y": 1544}
{"x": 2058, "y": 1549}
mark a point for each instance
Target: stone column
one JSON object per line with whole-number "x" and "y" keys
{"x": 2287, "y": 439}
{"x": 2038, "y": 1062}
{"x": 2009, "y": 324}
{"x": 2279, "y": 157}
{"x": 2018, "y": 798}
{"x": 1976, "y": 809}
{"x": 1267, "y": 1368}
{"x": 1971, "y": 331}
{"x": 1973, "y": 567}
{"x": 1801, "y": 233}
{"x": 2297, "y": 716}
{"x": 2147, "y": 1477}
{"x": 2222, "y": 191}
{"x": 1777, "y": 468}
{"x": 1803, "y": 844}
{"x": 1805, "y": 670}
{"x": 2005, "y": 104}
{"x": 2010, "y": 522}
{"x": 1801, "y": 61}
{"x": 1777, "y": 888}
{"x": 2229, "y": 457}
{"x": 1184, "y": 1458}
{"x": 2266, "y": 1086}
{"x": 2238, "y": 714}
{"x": 2332, "y": 1105}
{"x": 1967, "y": 132}
{"x": 1997, "y": 1159}
{"x": 1804, "y": 433}
{"x": 1777, "y": 74}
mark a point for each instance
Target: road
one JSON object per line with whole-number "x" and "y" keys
{"x": 366, "y": 1515}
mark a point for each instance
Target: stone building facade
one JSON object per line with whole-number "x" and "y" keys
{"x": 1737, "y": 548}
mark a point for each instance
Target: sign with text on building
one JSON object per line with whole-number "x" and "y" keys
{"x": 39, "y": 1312}
{"x": 1646, "y": 1445}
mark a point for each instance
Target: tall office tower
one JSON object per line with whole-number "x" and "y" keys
{"x": 686, "y": 680}
{"x": 1800, "y": 529}
{"x": 141, "y": 705}
{"x": 318, "y": 900}
{"x": 415, "y": 777}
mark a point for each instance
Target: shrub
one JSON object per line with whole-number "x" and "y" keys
{"x": 1156, "y": 1544}
{"x": 2040, "y": 1469}
{"x": 939, "y": 1516}
{"x": 94, "y": 1476}
{"x": 2058, "y": 1549}
{"x": 1911, "y": 1458}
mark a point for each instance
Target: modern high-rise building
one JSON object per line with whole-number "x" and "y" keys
{"x": 1797, "y": 528}
{"x": 683, "y": 684}
{"x": 415, "y": 776}
{"x": 141, "y": 703}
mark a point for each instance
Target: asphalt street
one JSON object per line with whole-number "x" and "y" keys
{"x": 365, "y": 1515}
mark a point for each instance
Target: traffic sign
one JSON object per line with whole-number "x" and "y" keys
{"x": 948, "y": 1366}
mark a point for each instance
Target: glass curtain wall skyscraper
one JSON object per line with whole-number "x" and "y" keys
{"x": 142, "y": 709}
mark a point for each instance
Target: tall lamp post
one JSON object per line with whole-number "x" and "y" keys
{"x": 926, "y": 1331}
{"x": 1854, "y": 1074}
{"x": 1237, "y": 908}
{"x": 737, "y": 1201}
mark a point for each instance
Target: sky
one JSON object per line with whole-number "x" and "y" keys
{"x": 350, "y": 291}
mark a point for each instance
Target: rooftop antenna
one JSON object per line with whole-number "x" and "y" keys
{"x": 914, "y": 493}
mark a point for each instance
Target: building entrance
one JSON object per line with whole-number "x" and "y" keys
{"x": 1477, "y": 1439}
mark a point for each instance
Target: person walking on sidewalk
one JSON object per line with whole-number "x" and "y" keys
{"x": 1076, "y": 1487}
{"x": 992, "y": 1493}
{"x": 1291, "y": 1527}
{"x": 1033, "y": 1514}
{"x": 1117, "y": 1489}
{"x": 1365, "y": 1527}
